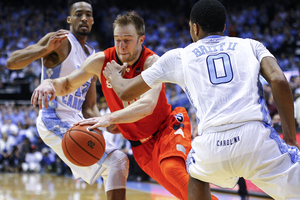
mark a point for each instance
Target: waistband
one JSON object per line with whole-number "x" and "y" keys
{"x": 141, "y": 141}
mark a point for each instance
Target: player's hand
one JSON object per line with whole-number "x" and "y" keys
{"x": 95, "y": 122}
{"x": 42, "y": 92}
{"x": 113, "y": 69}
{"x": 56, "y": 39}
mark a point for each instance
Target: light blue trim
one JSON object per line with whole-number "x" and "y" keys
{"x": 293, "y": 151}
{"x": 54, "y": 123}
{"x": 262, "y": 101}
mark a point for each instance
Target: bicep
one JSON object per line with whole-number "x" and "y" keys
{"x": 270, "y": 70}
{"x": 90, "y": 67}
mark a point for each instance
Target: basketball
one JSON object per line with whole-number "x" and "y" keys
{"x": 83, "y": 146}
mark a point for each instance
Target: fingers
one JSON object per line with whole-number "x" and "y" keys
{"x": 41, "y": 94}
{"x": 123, "y": 69}
{"x": 94, "y": 122}
{"x": 112, "y": 68}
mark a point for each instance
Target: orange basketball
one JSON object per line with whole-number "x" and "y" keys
{"x": 83, "y": 146}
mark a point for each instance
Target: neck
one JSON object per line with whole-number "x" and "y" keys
{"x": 208, "y": 34}
{"x": 81, "y": 38}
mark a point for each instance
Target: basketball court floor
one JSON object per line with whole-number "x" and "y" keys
{"x": 52, "y": 187}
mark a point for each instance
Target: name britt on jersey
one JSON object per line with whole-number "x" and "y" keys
{"x": 203, "y": 49}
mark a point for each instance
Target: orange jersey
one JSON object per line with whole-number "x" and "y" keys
{"x": 147, "y": 126}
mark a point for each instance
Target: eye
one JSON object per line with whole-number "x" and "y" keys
{"x": 89, "y": 15}
{"x": 78, "y": 14}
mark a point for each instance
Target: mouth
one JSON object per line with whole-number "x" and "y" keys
{"x": 123, "y": 54}
{"x": 84, "y": 27}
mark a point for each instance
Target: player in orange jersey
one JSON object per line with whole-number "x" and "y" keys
{"x": 160, "y": 137}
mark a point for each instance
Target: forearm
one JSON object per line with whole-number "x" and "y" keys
{"x": 132, "y": 113}
{"x": 285, "y": 105}
{"x": 21, "y": 58}
{"x": 60, "y": 85}
{"x": 89, "y": 112}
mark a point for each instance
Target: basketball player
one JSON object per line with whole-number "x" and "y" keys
{"x": 220, "y": 75}
{"x": 63, "y": 52}
{"x": 160, "y": 138}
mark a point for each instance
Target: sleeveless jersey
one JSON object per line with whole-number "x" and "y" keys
{"x": 63, "y": 108}
{"x": 147, "y": 126}
{"x": 220, "y": 76}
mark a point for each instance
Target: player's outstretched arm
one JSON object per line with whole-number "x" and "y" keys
{"x": 126, "y": 89}
{"x": 135, "y": 111}
{"x": 282, "y": 96}
{"x": 65, "y": 85}
{"x": 23, "y": 57}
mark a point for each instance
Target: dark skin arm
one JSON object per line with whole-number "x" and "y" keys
{"x": 283, "y": 97}
{"x": 51, "y": 47}
{"x": 89, "y": 107}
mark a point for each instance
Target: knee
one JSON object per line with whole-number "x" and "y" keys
{"x": 172, "y": 165}
{"x": 119, "y": 163}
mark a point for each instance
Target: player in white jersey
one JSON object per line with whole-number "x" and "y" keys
{"x": 220, "y": 75}
{"x": 63, "y": 52}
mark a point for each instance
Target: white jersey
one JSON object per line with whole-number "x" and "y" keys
{"x": 63, "y": 112}
{"x": 214, "y": 76}
{"x": 64, "y": 108}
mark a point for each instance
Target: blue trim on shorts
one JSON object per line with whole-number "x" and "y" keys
{"x": 264, "y": 108}
{"x": 54, "y": 123}
{"x": 190, "y": 159}
{"x": 293, "y": 151}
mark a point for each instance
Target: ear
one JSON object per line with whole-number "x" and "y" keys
{"x": 224, "y": 28}
{"x": 142, "y": 39}
{"x": 69, "y": 20}
{"x": 195, "y": 29}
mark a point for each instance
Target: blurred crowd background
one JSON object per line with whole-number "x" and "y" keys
{"x": 23, "y": 22}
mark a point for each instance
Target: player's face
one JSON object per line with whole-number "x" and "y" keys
{"x": 128, "y": 44}
{"x": 81, "y": 18}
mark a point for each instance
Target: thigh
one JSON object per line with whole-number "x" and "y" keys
{"x": 175, "y": 138}
{"x": 275, "y": 166}
{"x": 89, "y": 174}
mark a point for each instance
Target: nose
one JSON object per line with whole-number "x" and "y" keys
{"x": 122, "y": 45}
{"x": 84, "y": 18}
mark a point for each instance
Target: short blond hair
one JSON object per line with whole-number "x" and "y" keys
{"x": 131, "y": 17}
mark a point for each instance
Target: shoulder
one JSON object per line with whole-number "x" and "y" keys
{"x": 150, "y": 60}
{"x": 172, "y": 55}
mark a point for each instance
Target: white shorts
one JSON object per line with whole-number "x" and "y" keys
{"x": 53, "y": 139}
{"x": 253, "y": 151}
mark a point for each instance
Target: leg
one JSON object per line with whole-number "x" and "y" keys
{"x": 173, "y": 169}
{"x": 115, "y": 175}
{"x": 242, "y": 188}
{"x": 198, "y": 190}
{"x": 116, "y": 194}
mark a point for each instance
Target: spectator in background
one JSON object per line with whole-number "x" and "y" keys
{"x": 297, "y": 106}
{"x": 11, "y": 130}
{"x": 7, "y": 150}
{"x": 33, "y": 160}
{"x": 294, "y": 83}
{"x": 283, "y": 62}
{"x": 276, "y": 123}
{"x": 48, "y": 160}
